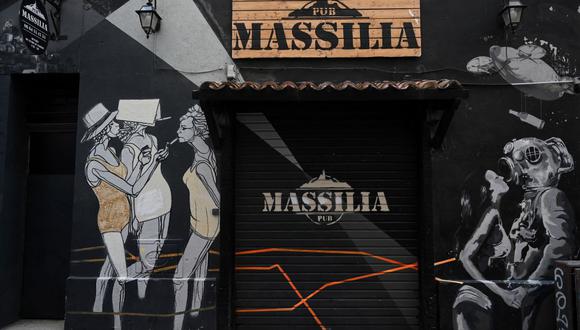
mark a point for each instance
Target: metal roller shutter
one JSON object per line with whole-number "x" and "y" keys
{"x": 291, "y": 270}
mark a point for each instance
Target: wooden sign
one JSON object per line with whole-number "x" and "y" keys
{"x": 326, "y": 28}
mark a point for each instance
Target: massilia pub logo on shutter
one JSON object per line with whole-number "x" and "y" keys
{"x": 325, "y": 200}
{"x": 326, "y": 28}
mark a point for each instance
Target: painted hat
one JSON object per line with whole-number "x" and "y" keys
{"x": 96, "y": 120}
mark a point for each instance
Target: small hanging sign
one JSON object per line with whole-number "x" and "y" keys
{"x": 34, "y": 26}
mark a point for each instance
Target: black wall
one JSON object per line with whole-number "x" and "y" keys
{"x": 12, "y": 201}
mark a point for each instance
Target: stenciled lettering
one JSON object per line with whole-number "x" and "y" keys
{"x": 408, "y": 35}
{"x": 308, "y": 201}
{"x": 381, "y": 202}
{"x": 280, "y": 37}
{"x": 302, "y": 36}
{"x": 326, "y": 36}
{"x": 325, "y": 201}
{"x": 272, "y": 204}
{"x": 243, "y": 36}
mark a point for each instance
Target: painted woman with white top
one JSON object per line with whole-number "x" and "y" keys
{"x": 107, "y": 176}
{"x": 152, "y": 206}
{"x": 200, "y": 179}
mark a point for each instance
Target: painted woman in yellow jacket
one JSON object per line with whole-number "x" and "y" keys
{"x": 200, "y": 180}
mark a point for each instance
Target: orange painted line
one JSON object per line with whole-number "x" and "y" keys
{"x": 296, "y": 291}
{"x": 304, "y": 301}
{"x": 329, "y": 284}
{"x": 87, "y": 261}
{"x": 442, "y": 262}
{"x": 132, "y": 256}
{"x": 345, "y": 252}
{"x": 91, "y": 248}
{"x": 263, "y": 310}
{"x": 301, "y": 297}
{"x": 353, "y": 279}
{"x": 255, "y": 268}
{"x": 162, "y": 269}
{"x": 170, "y": 255}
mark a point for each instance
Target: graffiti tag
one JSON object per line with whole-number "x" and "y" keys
{"x": 561, "y": 303}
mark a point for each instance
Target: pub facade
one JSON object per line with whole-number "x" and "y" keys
{"x": 289, "y": 164}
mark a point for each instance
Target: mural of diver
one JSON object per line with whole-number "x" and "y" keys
{"x": 113, "y": 186}
{"x": 200, "y": 179}
{"x": 543, "y": 232}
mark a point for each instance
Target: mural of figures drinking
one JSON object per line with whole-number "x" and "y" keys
{"x": 135, "y": 200}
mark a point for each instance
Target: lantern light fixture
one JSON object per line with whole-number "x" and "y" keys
{"x": 149, "y": 18}
{"x": 512, "y": 13}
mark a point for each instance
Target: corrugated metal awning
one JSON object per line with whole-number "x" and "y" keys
{"x": 376, "y": 85}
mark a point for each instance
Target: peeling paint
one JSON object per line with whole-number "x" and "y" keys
{"x": 412, "y": 14}
{"x": 487, "y": 38}
{"x": 558, "y": 59}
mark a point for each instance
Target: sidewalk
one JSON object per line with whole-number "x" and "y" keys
{"x": 36, "y": 325}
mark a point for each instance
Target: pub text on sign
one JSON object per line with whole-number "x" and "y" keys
{"x": 326, "y": 28}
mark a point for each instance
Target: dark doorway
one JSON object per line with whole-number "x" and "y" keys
{"x": 49, "y": 105}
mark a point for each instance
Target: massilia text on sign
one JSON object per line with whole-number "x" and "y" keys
{"x": 326, "y": 28}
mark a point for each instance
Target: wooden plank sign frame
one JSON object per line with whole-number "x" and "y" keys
{"x": 326, "y": 28}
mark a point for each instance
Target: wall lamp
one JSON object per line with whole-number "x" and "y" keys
{"x": 512, "y": 13}
{"x": 150, "y": 19}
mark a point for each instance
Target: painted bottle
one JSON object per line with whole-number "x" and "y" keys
{"x": 529, "y": 119}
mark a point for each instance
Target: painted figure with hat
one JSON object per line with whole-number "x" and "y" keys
{"x": 113, "y": 186}
{"x": 152, "y": 206}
